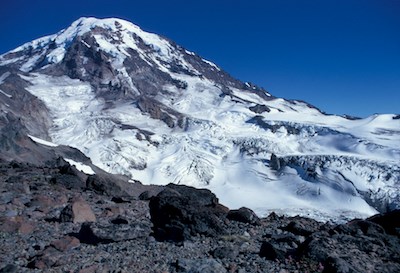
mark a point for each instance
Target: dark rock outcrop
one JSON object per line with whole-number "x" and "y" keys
{"x": 274, "y": 162}
{"x": 244, "y": 215}
{"x": 358, "y": 246}
{"x": 259, "y": 109}
{"x": 270, "y": 252}
{"x": 179, "y": 212}
{"x": 389, "y": 221}
{"x": 302, "y": 226}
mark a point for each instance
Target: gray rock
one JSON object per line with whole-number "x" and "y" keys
{"x": 10, "y": 268}
{"x": 199, "y": 266}
{"x": 225, "y": 252}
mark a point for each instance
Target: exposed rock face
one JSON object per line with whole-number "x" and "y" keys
{"x": 19, "y": 104}
{"x": 179, "y": 212}
{"x": 258, "y": 109}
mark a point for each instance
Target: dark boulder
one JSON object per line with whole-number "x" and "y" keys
{"x": 69, "y": 181}
{"x": 389, "y": 221}
{"x": 146, "y": 195}
{"x": 244, "y": 215}
{"x": 270, "y": 252}
{"x": 87, "y": 235}
{"x": 104, "y": 185}
{"x": 302, "y": 226}
{"x": 179, "y": 212}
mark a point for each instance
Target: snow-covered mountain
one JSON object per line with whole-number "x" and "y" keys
{"x": 140, "y": 105}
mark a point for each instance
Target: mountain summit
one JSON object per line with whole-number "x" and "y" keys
{"x": 139, "y": 105}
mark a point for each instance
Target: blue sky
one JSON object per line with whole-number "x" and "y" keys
{"x": 341, "y": 56}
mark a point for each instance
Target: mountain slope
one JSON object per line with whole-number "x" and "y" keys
{"x": 140, "y": 105}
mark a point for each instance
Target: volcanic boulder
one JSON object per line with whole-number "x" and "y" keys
{"x": 179, "y": 212}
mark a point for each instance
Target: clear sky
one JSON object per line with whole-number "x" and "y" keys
{"x": 343, "y": 56}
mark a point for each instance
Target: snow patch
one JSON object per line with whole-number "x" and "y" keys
{"x": 57, "y": 55}
{"x": 190, "y": 52}
{"x": 5, "y": 94}
{"x": 211, "y": 64}
{"x": 86, "y": 44}
{"x": 4, "y": 76}
{"x": 80, "y": 166}
{"x": 43, "y": 142}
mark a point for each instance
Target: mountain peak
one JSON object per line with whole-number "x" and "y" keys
{"x": 87, "y": 24}
{"x": 110, "y": 48}
{"x": 54, "y": 46}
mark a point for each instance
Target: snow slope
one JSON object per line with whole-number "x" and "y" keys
{"x": 195, "y": 125}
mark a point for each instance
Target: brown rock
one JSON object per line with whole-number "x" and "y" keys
{"x": 16, "y": 224}
{"x": 77, "y": 212}
{"x": 8, "y": 224}
{"x": 65, "y": 243}
{"x": 112, "y": 211}
{"x": 26, "y": 227}
{"x": 82, "y": 212}
{"x": 46, "y": 259}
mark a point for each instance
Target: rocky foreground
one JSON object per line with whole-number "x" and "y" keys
{"x": 56, "y": 219}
